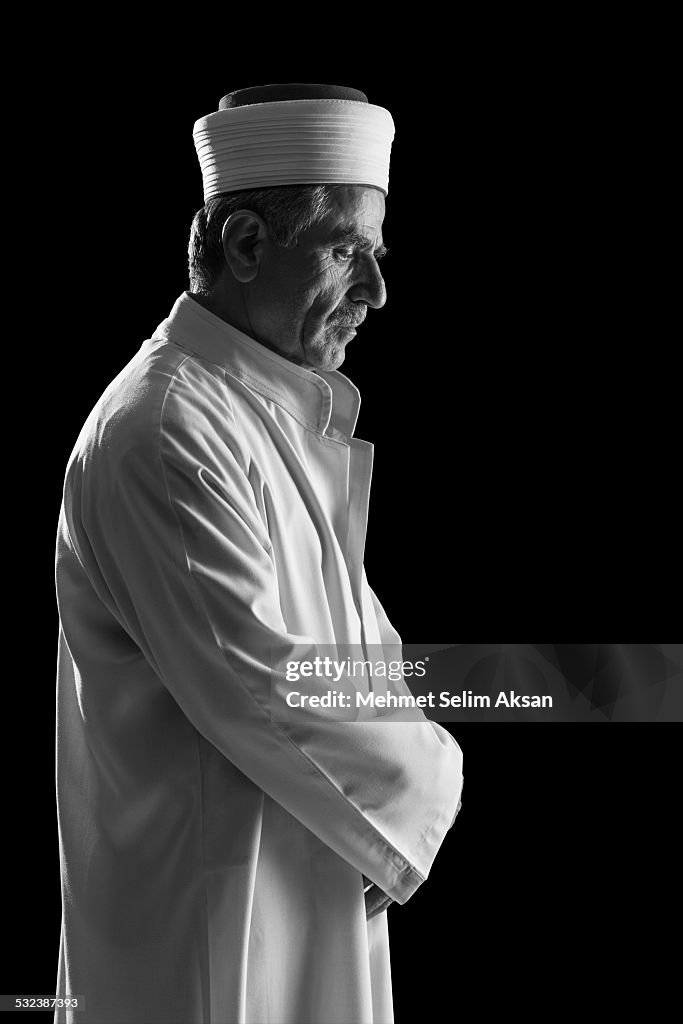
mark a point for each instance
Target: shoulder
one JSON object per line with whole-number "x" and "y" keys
{"x": 164, "y": 400}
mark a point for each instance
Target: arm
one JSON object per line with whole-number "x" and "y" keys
{"x": 377, "y": 901}
{"x": 184, "y": 558}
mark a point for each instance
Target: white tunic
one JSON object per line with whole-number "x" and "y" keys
{"x": 212, "y": 857}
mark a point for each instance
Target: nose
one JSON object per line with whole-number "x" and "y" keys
{"x": 369, "y": 286}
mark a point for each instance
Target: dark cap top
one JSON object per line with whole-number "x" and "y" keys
{"x": 290, "y": 91}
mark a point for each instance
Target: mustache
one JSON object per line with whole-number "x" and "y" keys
{"x": 350, "y": 317}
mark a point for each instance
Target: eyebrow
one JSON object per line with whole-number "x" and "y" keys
{"x": 353, "y": 237}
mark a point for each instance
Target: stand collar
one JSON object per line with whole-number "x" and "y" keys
{"x": 324, "y": 401}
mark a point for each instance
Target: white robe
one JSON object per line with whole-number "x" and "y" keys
{"x": 212, "y": 858}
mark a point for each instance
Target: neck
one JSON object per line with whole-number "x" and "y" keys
{"x": 216, "y": 304}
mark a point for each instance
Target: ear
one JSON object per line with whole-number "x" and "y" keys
{"x": 244, "y": 234}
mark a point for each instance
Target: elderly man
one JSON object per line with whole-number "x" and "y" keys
{"x": 220, "y": 862}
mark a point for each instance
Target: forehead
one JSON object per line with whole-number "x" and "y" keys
{"x": 355, "y": 209}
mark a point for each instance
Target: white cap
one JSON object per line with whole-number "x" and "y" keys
{"x": 294, "y": 141}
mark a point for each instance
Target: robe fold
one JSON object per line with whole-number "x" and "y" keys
{"x": 213, "y": 857}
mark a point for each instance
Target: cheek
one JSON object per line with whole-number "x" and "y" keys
{"x": 329, "y": 292}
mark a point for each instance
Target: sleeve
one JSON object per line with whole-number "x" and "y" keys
{"x": 176, "y": 537}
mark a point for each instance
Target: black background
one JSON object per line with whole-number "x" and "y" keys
{"x": 519, "y": 400}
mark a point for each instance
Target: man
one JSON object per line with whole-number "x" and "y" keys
{"x": 220, "y": 861}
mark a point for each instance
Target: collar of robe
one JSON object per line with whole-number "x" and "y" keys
{"x": 324, "y": 401}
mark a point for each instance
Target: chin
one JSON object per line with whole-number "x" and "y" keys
{"x": 327, "y": 358}
{"x": 333, "y": 361}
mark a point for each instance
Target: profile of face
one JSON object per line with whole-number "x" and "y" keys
{"x": 307, "y": 302}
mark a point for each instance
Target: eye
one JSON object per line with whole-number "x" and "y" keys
{"x": 344, "y": 255}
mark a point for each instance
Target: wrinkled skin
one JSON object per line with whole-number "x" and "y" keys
{"x": 305, "y": 302}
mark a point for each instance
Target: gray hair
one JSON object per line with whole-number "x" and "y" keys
{"x": 288, "y": 211}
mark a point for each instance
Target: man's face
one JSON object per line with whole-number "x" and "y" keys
{"x": 306, "y": 302}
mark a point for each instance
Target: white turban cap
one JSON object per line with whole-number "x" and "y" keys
{"x": 315, "y": 135}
